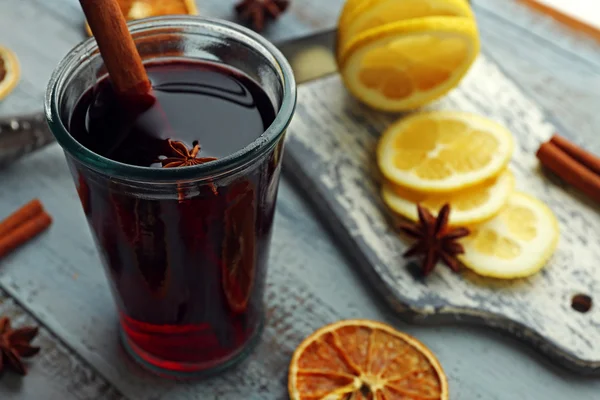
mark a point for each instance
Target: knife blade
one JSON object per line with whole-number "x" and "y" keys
{"x": 311, "y": 57}
{"x": 21, "y": 135}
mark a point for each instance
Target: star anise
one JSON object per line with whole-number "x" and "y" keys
{"x": 183, "y": 156}
{"x": 258, "y": 10}
{"x": 435, "y": 239}
{"x": 15, "y": 344}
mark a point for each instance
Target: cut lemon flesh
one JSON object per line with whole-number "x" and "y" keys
{"x": 407, "y": 64}
{"x": 516, "y": 243}
{"x": 364, "y": 360}
{"x": 469, "y": 206}
{"x": 360, "y": 16}
{"x": 443, "y": 151}
{"x": 10, "y": 71}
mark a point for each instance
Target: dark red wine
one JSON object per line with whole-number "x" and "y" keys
{"x": 218, "y": 107}
{"x": 187, "y": 271}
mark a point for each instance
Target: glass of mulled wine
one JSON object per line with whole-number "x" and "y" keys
{"x": 180, "y": 197}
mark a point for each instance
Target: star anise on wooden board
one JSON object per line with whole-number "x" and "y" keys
{"x": 257, "y": 11}
{"x": 435, "y": 239}
{"x": 15, "y": 344}
{"x": 183, "y": 157}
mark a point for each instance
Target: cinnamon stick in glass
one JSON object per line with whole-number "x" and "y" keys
{"x": 116, "y": 45}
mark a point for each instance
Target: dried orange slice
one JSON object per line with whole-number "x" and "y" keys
{"x": 364, "y": 360}
{"x": 137, "y": 9}
{"x": 9, "y": 71}
{"x": 239, "y": 246}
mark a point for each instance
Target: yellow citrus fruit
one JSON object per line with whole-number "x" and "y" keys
{"x": 469, "y": 206}
{"x": 443, "y": 151}
{"x": 407, "y": 64}
{"x": 361, "y": 15}
{"x": 516, "y": 243}
{"x": 363, "y": 360}
{"x": 10, "y": 71}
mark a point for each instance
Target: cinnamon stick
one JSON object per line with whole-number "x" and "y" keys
{"x": 117, "y": 48}
{"x": 589, "y": 160}
{"x": 25, "y": 213}
{"x": 570, "y": 170}
{"x": 24, "y": 232}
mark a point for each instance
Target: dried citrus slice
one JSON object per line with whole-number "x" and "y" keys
{"x": 469, "y": 206}
{"x": 407, "y": 64}
{"x": 138, "y": 9}
{"x": 239, "y": 246}
{"x": 362, "y": 15}
{"x": 443, "y": 151}
{"x": 516, "y": 243}
{"x": 10, "y": 71}
{"x": 364, "y": 360}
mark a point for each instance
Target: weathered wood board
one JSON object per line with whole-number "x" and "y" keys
{"x": 56, "y": 373}
{"x": 331, "y": 154}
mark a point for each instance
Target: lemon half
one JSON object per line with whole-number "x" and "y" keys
{"x": 407, "y": 64}
{"x": 359, "y": 16}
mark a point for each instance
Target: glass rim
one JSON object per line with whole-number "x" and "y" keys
{"x": 222, "y": 166}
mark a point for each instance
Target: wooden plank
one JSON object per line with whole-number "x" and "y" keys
{"x": 577, "y": 15}
{"x": 344, "y": 182}
{"x": 556, "y": 68}
{"x": 56, "y": 371}
{"x": 303, "y": 17}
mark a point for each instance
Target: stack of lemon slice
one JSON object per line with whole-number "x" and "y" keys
{"x": 396, "y": 55}
{"x": 439, "y": 157}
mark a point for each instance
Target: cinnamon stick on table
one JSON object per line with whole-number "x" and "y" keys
{"x": 22, "y": 226}
{"x": 589, "y": 160}
{"x": 28, "y": 211}
{"x": 570, "y": 169}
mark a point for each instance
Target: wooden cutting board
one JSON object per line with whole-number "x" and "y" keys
{"x": 331, "y": 155}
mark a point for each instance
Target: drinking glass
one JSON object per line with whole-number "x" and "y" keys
{"x": 185, "y": 250}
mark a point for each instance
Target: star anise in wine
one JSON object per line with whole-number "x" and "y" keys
{"x": 184, "y": 157}
{"x": 15, "y": 344}
{"x": 258, "y": 10}
{"x": 435, "y": 239}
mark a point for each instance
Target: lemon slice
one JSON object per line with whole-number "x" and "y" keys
{"x": 516, "y": 243}
{"x": 361, "y": 15}
{"x": 10, "y": 71}
{"x": 407, "y": 64}
{"x": 443, "y": 151}
{"x": 469, "y": 206}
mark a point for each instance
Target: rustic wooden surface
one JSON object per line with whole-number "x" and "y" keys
{"x": 58, "y": 280}
{"x": 343, "y": 182}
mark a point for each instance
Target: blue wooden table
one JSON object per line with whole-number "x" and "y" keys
{"x": 56, "y": 281}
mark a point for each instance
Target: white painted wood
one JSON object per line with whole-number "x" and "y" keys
{"x": 56, "y": 373}
{"x": 339, "y": 137}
